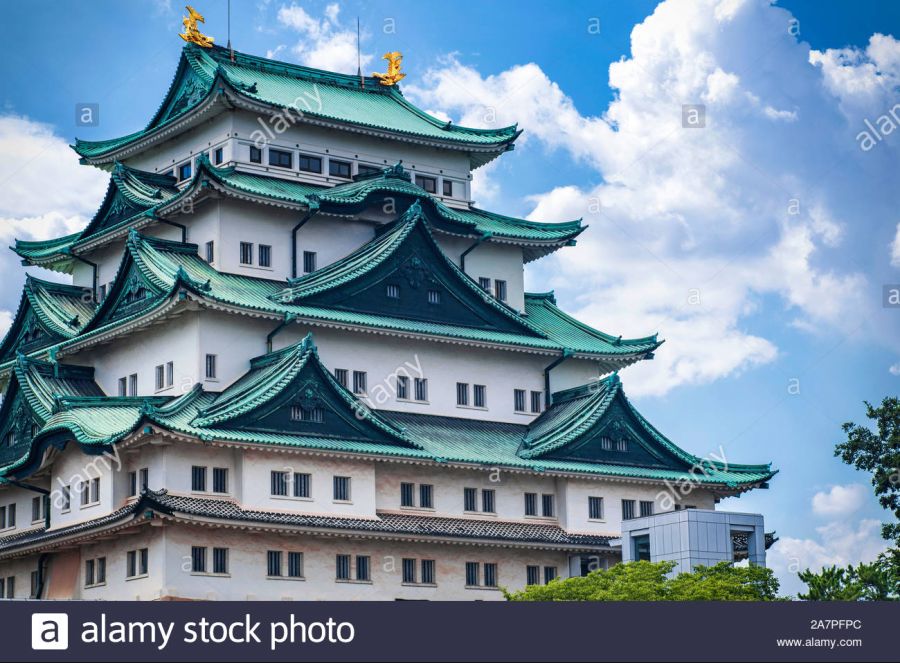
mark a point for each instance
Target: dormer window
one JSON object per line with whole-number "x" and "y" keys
{"x": 339, "y": 168}
{"x": 427, "y": 183}
{"x": 280, "y": 158}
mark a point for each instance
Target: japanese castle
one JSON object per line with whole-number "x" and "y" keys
{"x": 293, "y": 360}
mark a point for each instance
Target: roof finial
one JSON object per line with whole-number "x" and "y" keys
{"x": 393, "y": 75}
{"x": 191, "y": 32}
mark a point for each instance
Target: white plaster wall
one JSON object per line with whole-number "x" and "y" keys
{"x": 176, "y": 340}
{"x": 247, "y": 565}
{"x": 208, "y": 135}
{"x": 70, "y": 467}
{"x": 331, "y": 238}
{"x": 574, "y": 373}
{"x": 118, "y": 587}
{"x": 257, "y": 467}
{"x": 20, "y": 568}
{"x": 495, "y": 261}
{"x": 577, "y": 492}
{"x": 442, "y": 364}
{"x": 22, "y": 498}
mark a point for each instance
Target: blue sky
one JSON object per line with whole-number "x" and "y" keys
{"x": 698, "y": 234}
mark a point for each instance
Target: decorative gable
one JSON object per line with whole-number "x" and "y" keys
{"x": 18, "y": 425}
{"x": 291, "y": 392}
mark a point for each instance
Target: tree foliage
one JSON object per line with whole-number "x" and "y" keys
{"x": 650, "y": 581}
{"x": 878, "y": 452}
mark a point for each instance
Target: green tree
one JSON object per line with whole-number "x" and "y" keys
{"x": 650, "y": 581}
{"x": 876, "y": 451}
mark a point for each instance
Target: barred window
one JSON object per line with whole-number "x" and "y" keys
{"x": 434, "y": 297}
{"x": 646, "y": 508}
{"x": 342, "y": 489}
{"x": 480, "y": 393}
{"x": 302, "y": 484}
{"x": 428, "y": 575}
{"x": 359, "y": 382}
{"x": 363, "y": 565}
{"x": 549, "y": 574}
{"x": 198, "y": 559}
{"x": 547, "y": 506}
{"x": 488, "y": 499}
{"x": 393, "y": 291}
{"x": 530, "y": 504}
{"x": 595, "y": 508}
{"x": 402, "y": 387}
{"x": 469, "y": 499}
{"x": 532, "y": 575}
{"x": 246, "y": 253}
{"x": 462, "y": 393}
{"x": 265, "y": 255}
{"x": 309, "y": 261}
{"x": 273, "y": 563}
{"x": 342, "y": 567}
{"x": 421, "y": 387}
{"x": 490, "y": 575}
{"x": 210, "y": 367}
{"x": 340, "y": 374}
{"x": 198, "y": 478}
{"x": 536, "y": 398}
{"x": 406, "y": 494}
{"x": 472, "y": 574}
{"x": 220, "y": 560}
{"x": 295, "y": 565}
{"x": 220, "y": 479}
{"x": 519, "y": 400}
{"x": 426, "y": 496}
{"x": 409, "y": 570}
{"x": 279, "y": 483}
{"x": 627, "y": 509}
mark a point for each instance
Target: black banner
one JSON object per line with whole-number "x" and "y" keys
{"x": 233, "y": 631}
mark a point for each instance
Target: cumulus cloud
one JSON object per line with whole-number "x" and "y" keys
{"x": 895, "y": 369}
{"x": 47, "y": 193}
{"x": 323, "y": 43}
{"x": 840, "y": 500}
{"x": 837, "y": 543}
{"x": 696, "y": 230}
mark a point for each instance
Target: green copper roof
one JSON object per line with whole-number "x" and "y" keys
{"x": 99, "y": 422}
{"x": 44, "y": 383}
{"x": 48, "y": 312}
{"x": 50, "y": 254}
{"x": 319, "y": 95}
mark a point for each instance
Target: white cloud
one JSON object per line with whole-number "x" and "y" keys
{"x": 837, "y": 543}
{"x": 695, "y": 230}
{"x": 895, "y": 249}
{"x": 47, "y": 193}
{"x": 840, "y": 500}
{"x": 895, "y": 369}
{"x": 324, "y": 43}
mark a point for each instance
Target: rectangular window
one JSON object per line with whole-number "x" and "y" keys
{"x": 500, "y": 290}
{"x": 627, "y": 509}
{"x": 403, "y": 387}
{"x": 342, "y": 567}
{"x": 392, "y": 290}
{"x": 95, "y": 490}
{"x": 143, "y": 478}
{"x": 536, "y": 398}
{"x": 532, "y": 575}
{"x": 519, "y": 400}
{"x": 488, "y": 500}
{"x": 11, "y": 587}
{"x": 340, "y": 374}
{"x": 421, "y": 386}
{"x": 90, "y": 572}
{"x": 470, "y": 499}
{"x": 428, "y": 575}
{"x": 246, "y": 253}
{"x": 210, "y": 367}
{"x": 407, "y": 494}
{"x": 67, "y": 498}
{"x": 646, "y": 508}
{"x": 339, "y": 168}
{"x": 480, "y": 393}
{"x": 184, "y": 172}
{"x": 279, "y": 483}
{"x": 273, "y": 563}
{"x": 549, "y": 574}
{"x": 101, "y": 293}
{"x": 359, "y": 382}
{"x": 309, "y": 261}
{"x": 295, "y": 565}
{"x": 448, "y": 188}
{"x": 427, "y": 183}
{"x": 136, "y": 563}
{"x": 123, "y": 387}
{"x": 302, "y": 485}
{"x": 530, "y": 504}
{"x": 36, "y": 507}
{"x": 198, "y": 478}
{"x": 132, "y": 385}
{"x": 84, "y": 492}
{"x": 363, "y": 565}
{"x": 280, "y": 158}
{"x": 34, "y": 584}
{"x": 220, "y": 560}
{"x": 595, "y": 508}
{"x": 547, "y": 506}
{"x": 341, "y": 489}
{"x": 210, "y": 252}
{"x": 484, "y": 283}
{"x": 255, "y": 155}
{"x": 434, "y": 297}
{"x": 3, "y": 517}
{"x": 170, "y": 374}
{"x": 11, "y": 515}
{"x": 218, "y": 156}
{"x": 409, "y": 570}
{"x": 265, "y": 255}
{"x": 426, "y": 496}
{"x": 462, "y": 393}
{"x": 472, "y": 575}
{"x": 366, "y": 169}
{"x": 309, "y": 164}
{"x": 490, "y": 575}
{"x": 220, "y": 479}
